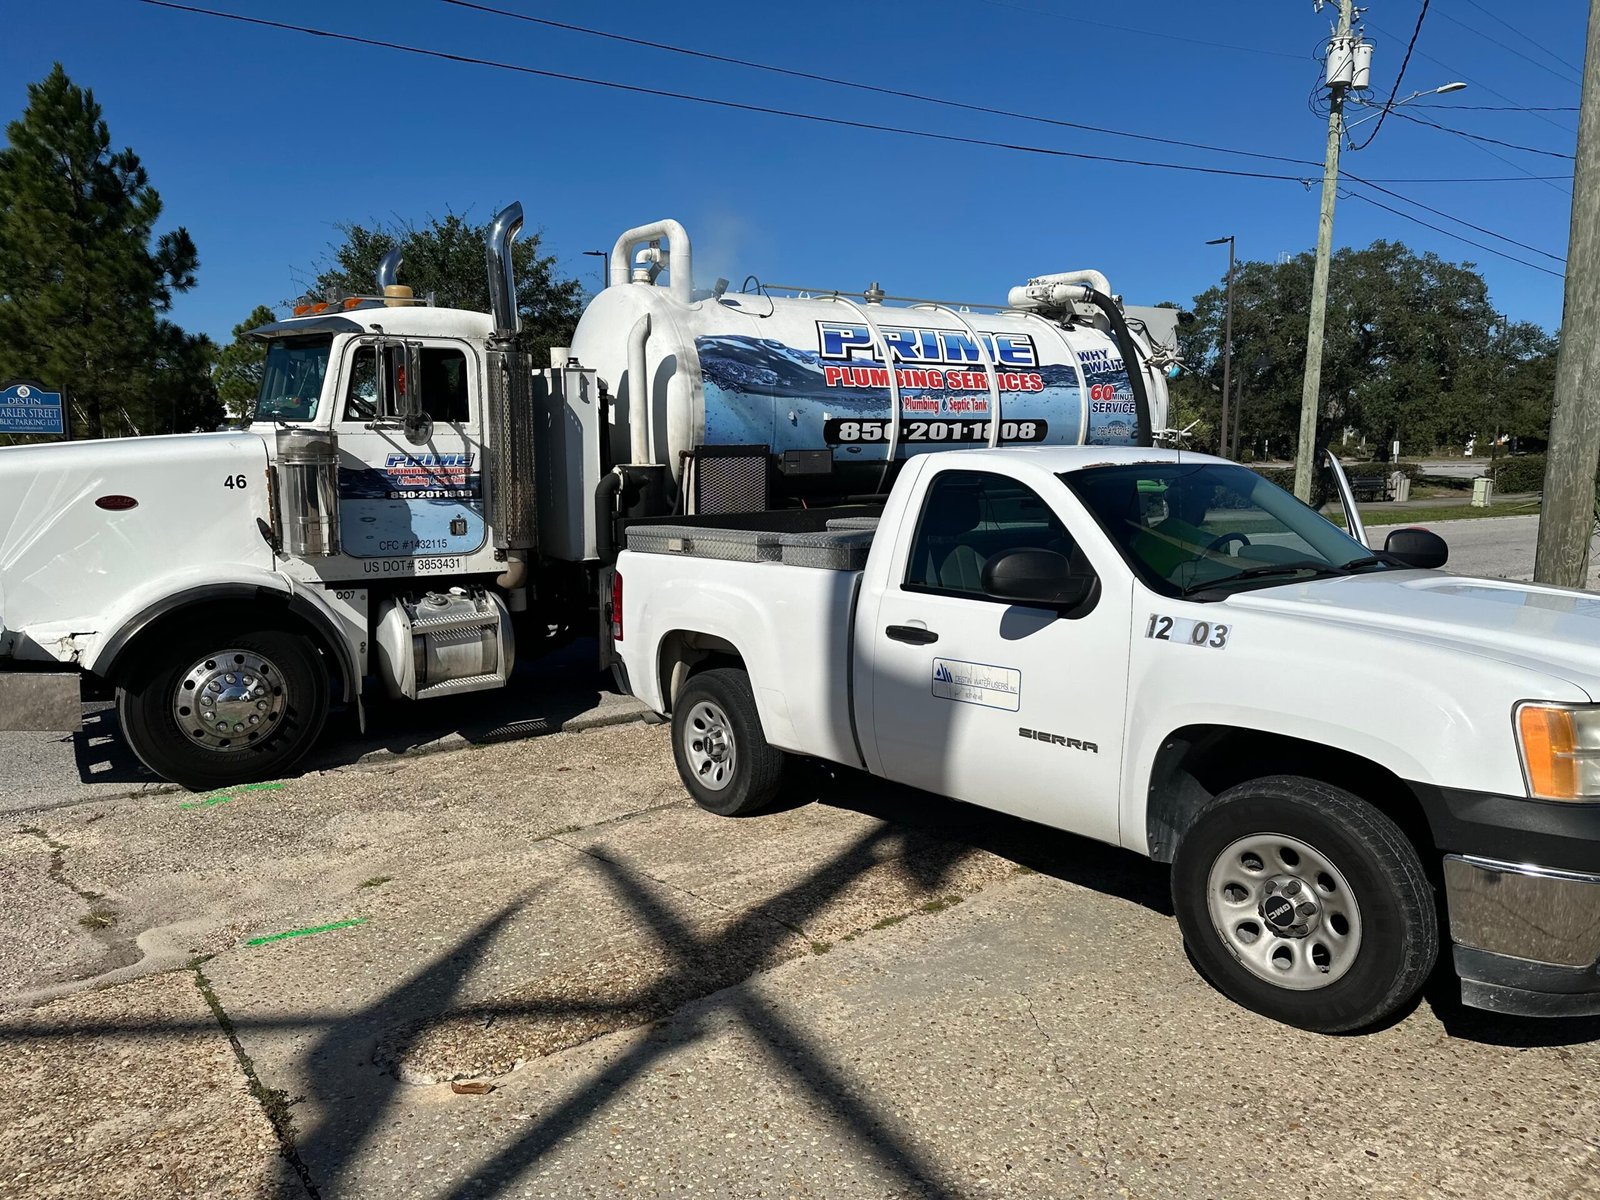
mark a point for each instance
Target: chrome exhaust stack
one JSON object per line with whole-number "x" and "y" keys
{"x": 502, "y": 275}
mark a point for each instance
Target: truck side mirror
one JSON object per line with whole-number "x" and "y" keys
{"x": 1041, "y": 578}
{"x": 417, "y": 423}
{"x": 1417, "y": 548}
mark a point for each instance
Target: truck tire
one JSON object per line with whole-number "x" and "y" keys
{"x": 1306, "y": 904}
{"x": 217, "y": 707}
{"x": 722, "y": 755}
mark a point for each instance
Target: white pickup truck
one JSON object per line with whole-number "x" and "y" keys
{"x": 1345, "y": 755}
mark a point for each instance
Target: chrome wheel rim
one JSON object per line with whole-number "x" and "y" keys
{"x": 1285, "y": 911}
{"x": 230, "y": 700}
{"x": 708, "y": 745}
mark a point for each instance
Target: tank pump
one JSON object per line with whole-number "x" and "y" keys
{"x": 678, "y": 255}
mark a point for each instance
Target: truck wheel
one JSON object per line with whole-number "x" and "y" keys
{"x": 1306, "y": 904}
{"x": 219, "y": 708}
{"x": 722, "y": 755}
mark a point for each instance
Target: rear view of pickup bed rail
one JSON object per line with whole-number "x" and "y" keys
{"x": 1348, "y": 757}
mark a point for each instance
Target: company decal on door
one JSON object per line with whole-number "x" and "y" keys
{"x": 977, "y": 683}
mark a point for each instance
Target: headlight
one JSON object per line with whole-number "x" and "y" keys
{"x": 1560, "y": 751}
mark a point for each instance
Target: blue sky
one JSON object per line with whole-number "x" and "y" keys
{"x": 261, "y": 141}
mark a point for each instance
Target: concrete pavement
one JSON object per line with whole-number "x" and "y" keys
{"x": 868, "y": 992}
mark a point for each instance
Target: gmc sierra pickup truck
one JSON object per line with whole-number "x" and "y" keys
{"x": 1348, "y": 757}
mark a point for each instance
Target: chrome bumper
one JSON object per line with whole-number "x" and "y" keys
{"x": 1527, "y": 938}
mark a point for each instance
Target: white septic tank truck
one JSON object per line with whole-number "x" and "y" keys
{"x": 415, "y": 497}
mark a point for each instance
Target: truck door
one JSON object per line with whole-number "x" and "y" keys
{"x": 405, "y": 499}
{"x": 1012, "y": 707}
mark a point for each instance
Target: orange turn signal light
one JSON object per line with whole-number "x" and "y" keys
{"x": 1549, "y": 751}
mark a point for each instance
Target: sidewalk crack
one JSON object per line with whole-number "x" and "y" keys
{"x": 274, "y": 1102}
{"x": 1088, "y": 1101}
{"x": 99, "y": 916}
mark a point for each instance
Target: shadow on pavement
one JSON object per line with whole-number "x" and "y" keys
{"x": 708, "y": 974}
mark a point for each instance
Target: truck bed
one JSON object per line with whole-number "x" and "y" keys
{"x": 783, "y": 600}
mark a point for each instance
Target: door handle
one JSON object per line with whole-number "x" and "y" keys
{"x": 911, "y": 634}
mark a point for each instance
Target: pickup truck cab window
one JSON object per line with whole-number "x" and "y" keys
{"x": 967, "y": 519}
{"x": 1190, "y": 528}
{"x": 291, "y": 379}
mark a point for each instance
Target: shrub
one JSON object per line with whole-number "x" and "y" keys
{"x": 1520, "y": 473}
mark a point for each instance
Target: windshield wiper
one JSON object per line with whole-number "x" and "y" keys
{"x": 1261, "y": 572}
{"x": 1371, "y": 560}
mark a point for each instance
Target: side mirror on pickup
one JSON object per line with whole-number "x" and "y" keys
{"x": 1041, "y": 578}
{"x": 1417, "y": 548}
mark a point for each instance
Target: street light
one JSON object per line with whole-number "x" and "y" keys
{"x": 1227, "y": 343}
{"x": 1383, "y": 108}
{"x": 601, "y": 255}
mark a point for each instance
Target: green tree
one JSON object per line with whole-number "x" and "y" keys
{"x": 239, "y": 365}
{"x": 1410, "y": 352}
{"x": 84, "y": 280}
{"x": 446, "y": 257}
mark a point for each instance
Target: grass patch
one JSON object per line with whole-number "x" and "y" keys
{"x": 1387, "y": 514}
{"x": 942, "y": 903}
{"x": 1019, "y": 869}
{"x": 888, "y": 921}
{"x": 98, "y": 918}
{"x": 377, "y": 881}
{"x": 821, "y": 947}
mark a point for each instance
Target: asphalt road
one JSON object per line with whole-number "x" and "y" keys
{"x": 563, "y": 690}
{"x": 534, "y": 969}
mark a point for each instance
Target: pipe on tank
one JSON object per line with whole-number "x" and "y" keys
{"x": 502, "y": 276}
{"x": 680, "y": 264}
{"x": 638, "y": 393}
{"x": 991, "y": 369}
{"x": 1055, "y": 290}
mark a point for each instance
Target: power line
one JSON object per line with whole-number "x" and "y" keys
{"x": 1522, "y": 108}
{"x": 1399, "y": 75}
{"x": 637, "y": 89}
{"x": 735, "y": 105}
{"x": 1477, "y": 83}
{"x": 1448, "y": 234}
{"x": 1150, "y": 33}
{"x": 1458, "y": 220}
{"x": 1478, "y": 137}
{"x": 1539, "y": 45}
{"x": 1554, "y": 183}
{"x": 863, "y": 87}
{"x": 1565, "y": 77}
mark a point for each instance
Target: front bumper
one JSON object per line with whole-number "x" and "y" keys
{"x": 1527, "y": 938}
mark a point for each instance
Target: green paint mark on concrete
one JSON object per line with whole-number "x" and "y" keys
{"x": 208, "y": 802}
{"x": 291, "y": 933}
{"x": 228, "y": 797}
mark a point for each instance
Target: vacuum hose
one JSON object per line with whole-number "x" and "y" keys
{"x": 1131, "y": 360}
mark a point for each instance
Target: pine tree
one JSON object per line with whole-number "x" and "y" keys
{"x": 239, "y": 365}
{"x": 84, "y": 281}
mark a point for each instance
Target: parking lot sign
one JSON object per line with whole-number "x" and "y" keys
{"x": 28, "y": 408}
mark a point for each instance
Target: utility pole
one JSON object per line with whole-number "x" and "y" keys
{"x": 1227, "y": 342}
{"x": 1337, "y": 85}
{"x": 1568, "y": 515}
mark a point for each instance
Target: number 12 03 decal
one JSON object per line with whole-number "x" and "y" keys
{"x": 1187, "y": 632}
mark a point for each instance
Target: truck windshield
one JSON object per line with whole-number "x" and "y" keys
{"x": 1194, "y": 527}
{"x": 291, "y": 381}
